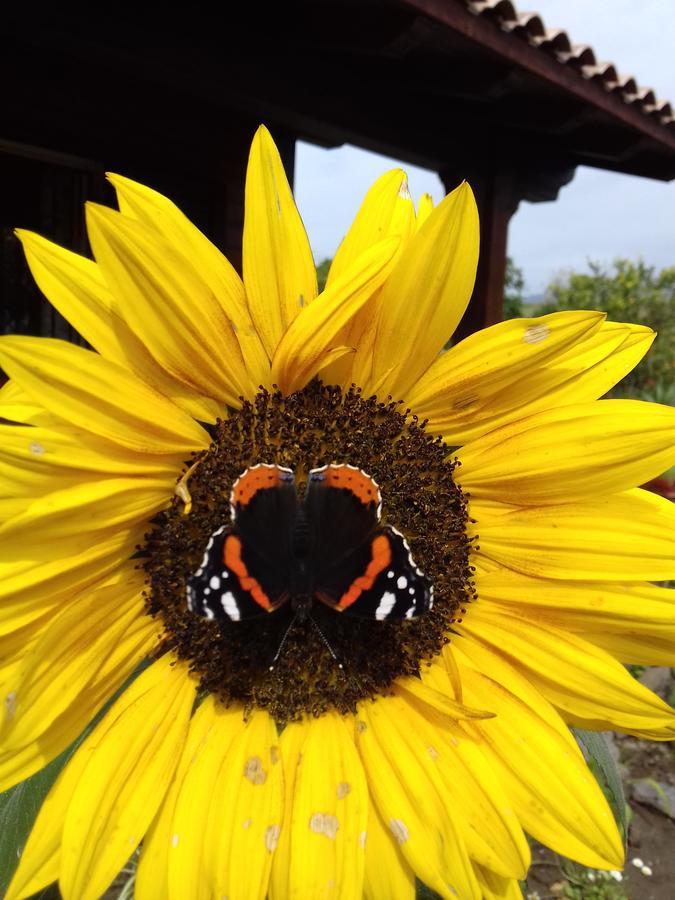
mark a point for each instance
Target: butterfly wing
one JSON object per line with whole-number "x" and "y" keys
{"x": 360, "y": 568}
{"x": 379, "y": 580}
{"x": 245, "y": 570}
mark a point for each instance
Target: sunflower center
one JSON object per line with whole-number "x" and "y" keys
{"x": 328, "y": 660}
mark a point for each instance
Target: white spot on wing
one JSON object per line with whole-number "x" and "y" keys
{"x": 410, "y": 613}
{"x": 390, "y": 573}
{"x": 215, "y": 582}
{"x": 230, "y": 607}
{"x": 402, "y": 582}
{"x": 386, "y": 605}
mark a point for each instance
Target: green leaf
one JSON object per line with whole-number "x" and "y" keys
{"x": 596, "y": 750}
{"x": 19, "y": 807}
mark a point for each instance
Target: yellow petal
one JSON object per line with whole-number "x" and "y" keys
{"x": 324, "y": 852}
{"x": 426, "y": 294}
{"x": 489, "y": 827}
{"x": 99, "y": 396}
{"x": 425, "y": 207}
{"x": 245, "y": 813}
{"x": 17, "y": 644}
{"x": 158, "y": 212}
{"x": 412, "y": 687}
{"x": 279, "y": 272}
{"x": 583, "y": 681}
{"x": 519, "y": 367}
{"x": 292, "y": 740}
{"x": 387, "y": 874}
{"x": 40, "y": 858}
{"x": 643, "y": 649}
{"x": 627, "y": 536}
{"x": 125, "y": 778}
{"x": 639, "y": 618}
{"x": 169, "y": 307}
{"x": 59, "y": 452}
{"x": 17, "y": 406}
{"x": 66, "y": 521}
{"x": 28, "y": 589}
{"x": 495, "y": 887}
{"x": 309, "y": 341}
{"x": 570, "y": 453}
{"x": 552, "y": 791}
{"x": 387, "y": 211}
{"x": 140, "y": 639}
{"x": 67, "y": 657}
{"x": 189, "y": 872}
{"x": 75, "y": 286}
{"x": 412, "y": 799}
{"x": 153, "y": 866}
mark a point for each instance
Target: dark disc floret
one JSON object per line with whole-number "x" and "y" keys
{"x": 311, "y": 428}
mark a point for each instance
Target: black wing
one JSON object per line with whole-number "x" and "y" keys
{"x": 245, "y": 570}
{"x": 378, "y": 581}
{"x": 360, "y": 568}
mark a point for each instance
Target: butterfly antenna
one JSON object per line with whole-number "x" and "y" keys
{"x": 325, "y": 640}
{"x": 282, "y": 642}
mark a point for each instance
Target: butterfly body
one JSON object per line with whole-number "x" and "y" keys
{"x": 328, "y": 546}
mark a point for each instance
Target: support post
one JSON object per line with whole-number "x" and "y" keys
{"x": 497, "y": 202}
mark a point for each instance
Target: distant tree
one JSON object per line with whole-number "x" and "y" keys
{"x": 514, "y": 284}
{"x": 322, "y": 272}
{"x": 628, "y": 292}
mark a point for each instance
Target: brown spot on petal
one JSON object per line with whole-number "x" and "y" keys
{"x": 343, "y": 789}
{"x": 254, "y": 771}
{"x": 534, "y": 334}
{"x": 272, "y": 837}
{"x": 324, "y": 823}
{"x": 274, "y": 755}
{"x": 10, "y": 705}
{"x": 400, "y": 830}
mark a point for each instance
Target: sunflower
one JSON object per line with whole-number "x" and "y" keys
{"x": 322, "y": 756}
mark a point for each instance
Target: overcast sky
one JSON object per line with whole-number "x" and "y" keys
{"x": 599, "y": 216}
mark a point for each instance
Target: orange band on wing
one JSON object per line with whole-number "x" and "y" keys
{"x": 347, "y": 477}
{"x": 381, "y": 558}
{"x": 234, "y": 562}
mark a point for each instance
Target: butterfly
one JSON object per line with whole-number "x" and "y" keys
{"x": 328, "y": 546}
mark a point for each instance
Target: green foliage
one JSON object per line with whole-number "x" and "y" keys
{"x": 514, "y": 284}
{"x": 596, "y": 751}
{"x": 19, "y": 807}
{"x": 322, "y": 273}
{"x": 588, "y": 884}
{"x": 628, "y": 292}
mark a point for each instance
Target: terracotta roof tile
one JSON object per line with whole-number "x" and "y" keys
{"x": 530, "y": 27}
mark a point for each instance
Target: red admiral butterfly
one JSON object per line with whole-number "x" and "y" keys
{"x": 329, "y": 546}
